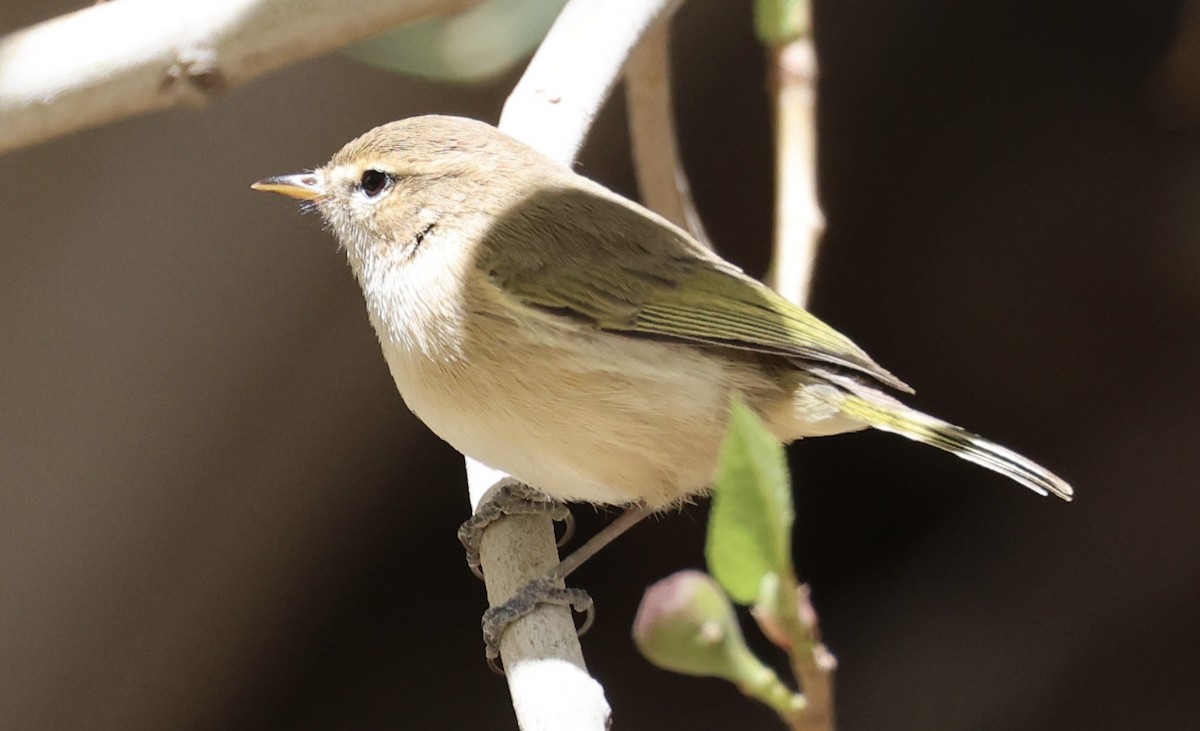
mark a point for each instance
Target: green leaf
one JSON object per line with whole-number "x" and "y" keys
{"x": 474, "y": 45}
{"x": 750, "y": 527}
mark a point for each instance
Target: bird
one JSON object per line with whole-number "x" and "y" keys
{"x": 550, "y": 328}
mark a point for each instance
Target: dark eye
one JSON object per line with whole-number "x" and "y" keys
{"x": 374, "y": 182}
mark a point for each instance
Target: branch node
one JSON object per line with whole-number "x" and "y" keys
{"x": 797, "y": 62}
{"x": 196, "y": 75}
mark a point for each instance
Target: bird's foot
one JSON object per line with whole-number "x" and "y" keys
{"x": 545, "y": 590}
{"x": 511, "y": 498}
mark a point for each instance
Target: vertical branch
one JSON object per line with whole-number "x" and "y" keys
{"x": 812, "y": 665}
{"x": 552, "y": 108}
{"x": 785, "y": 28}
{"x": 543, "y": 661}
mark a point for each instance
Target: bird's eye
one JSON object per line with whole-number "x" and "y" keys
{"x": 374, "y": 182}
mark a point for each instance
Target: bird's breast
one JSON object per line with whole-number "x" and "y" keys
{"x": 581, "y": 415}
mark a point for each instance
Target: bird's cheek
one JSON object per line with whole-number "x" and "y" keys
{"x": 343, "y": 225}
{"x": 329, "y": 210}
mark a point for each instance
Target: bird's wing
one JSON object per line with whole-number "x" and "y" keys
{"x": 596, "y": 267}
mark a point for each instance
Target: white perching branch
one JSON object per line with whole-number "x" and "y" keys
{"x": 552, "y": 109}
{"x": 118, "y": 59}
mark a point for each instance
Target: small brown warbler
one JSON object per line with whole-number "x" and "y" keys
{"x": 549, "y": 328}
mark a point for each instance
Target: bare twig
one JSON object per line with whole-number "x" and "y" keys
{"x": 543, "y": 662}
{"x": 814, "y": 671}
{"x": 813, "y": 666}
{"x": 799, "y": 222}
{"x": 552, "y": 109}
{"x": 117, "y": 59}
{"x": 785, "y": 26}
{"x": 791, "y": 624}
{"x": 660, "y": 174}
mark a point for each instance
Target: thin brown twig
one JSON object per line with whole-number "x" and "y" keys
{"x": 799, "y": 222}
{"x": 813, "y": 666}
{"x": 657, "y": 164}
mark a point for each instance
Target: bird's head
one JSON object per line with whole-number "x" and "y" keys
{"x": 387, "y": 186}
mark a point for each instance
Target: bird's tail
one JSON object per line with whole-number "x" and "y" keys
{"x": 887, "y": 414}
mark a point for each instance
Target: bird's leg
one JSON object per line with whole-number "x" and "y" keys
{"x": 511, "y": 498}
{"x": 631, "y": 517}
{"x": 549, "y": 590}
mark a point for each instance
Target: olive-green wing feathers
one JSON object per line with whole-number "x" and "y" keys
{"x": 724, "y": 308}
{"x": 640, "y": 276}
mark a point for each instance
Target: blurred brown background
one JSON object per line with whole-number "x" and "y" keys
{"x": 216, "y": 513}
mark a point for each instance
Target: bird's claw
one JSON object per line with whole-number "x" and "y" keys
{"x": 539, "y": 591}
{"x": 511, "y": 498}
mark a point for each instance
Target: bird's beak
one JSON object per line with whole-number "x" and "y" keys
{"x": 305, "y": 186}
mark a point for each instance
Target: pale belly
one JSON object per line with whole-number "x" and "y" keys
{"x": 579, "y": 429}
{"x": 603, "y": 419}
